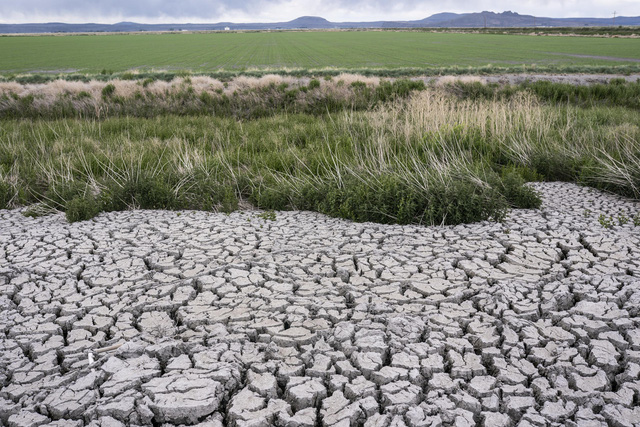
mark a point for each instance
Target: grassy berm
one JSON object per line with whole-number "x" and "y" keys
{"x": 353, "y": 147}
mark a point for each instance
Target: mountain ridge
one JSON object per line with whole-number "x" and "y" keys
{"x": 505, "y": 19}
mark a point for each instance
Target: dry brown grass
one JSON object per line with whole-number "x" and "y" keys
{"x": 433, "y": 111}
{"x": 206, "y": 84}
{"x": 8, "y": 88}
{"x": 449, "y": 80}
{"x": 348, "y": 79}
{"x": 49, "y": 92}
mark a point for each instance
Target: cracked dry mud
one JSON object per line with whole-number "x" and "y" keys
{"x": 313, "y": 321}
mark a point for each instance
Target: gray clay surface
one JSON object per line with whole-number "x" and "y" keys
{"x": 211, "y": 319}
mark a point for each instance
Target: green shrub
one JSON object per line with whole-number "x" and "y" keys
{"x": 81, "y": 209}
{"x": 5, "y": 195}
{"x": 59, "y": 193}
{"x": 144, "y": 192}
{"x": 33, "y": 79}
{"x": 527, "y": 173}
{"x": 386, "y": 90}
{"x": 146, "y": 82}
{"x": 209, "y": 194}
{"x": 516, "y": 193}
{"x": 388, "y": 199}
{"x": 554, "y": 165}
{"x": 108, "y": 90}
{"x": 314, "y": 84}
{"x": 206, "y": 98}
{"x": 271, "y": 197}
{"x": 463, "y": 201}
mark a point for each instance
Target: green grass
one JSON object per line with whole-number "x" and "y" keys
{"x": 430, "y": 155}
{"x": 306, "y": 50}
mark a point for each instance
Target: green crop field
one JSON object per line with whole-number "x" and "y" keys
{"x": 357, "y": 50}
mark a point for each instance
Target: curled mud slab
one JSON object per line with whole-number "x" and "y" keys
{"x": 312, "y": 321}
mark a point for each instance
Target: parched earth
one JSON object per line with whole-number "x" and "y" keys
{"x": 164, "y": 318}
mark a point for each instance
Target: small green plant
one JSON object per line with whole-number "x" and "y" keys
{"x": 267, "y": 215}
{"x": 622, "y": 219}
{"x": 606, "y": 222}
{"x": 636, "y": 220}
{"x": 587, "y": 213}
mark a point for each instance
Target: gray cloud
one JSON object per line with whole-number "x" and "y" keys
{"x": 152, "y": 11}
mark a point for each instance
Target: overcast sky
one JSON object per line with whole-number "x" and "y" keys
{"x": 182, "y": 11}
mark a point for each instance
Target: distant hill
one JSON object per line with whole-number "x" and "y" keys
{"x": 439, "y": 20}
{"x": 309, "y": 22}
{"x": 513, "y": 19}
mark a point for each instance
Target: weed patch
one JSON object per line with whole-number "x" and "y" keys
{"x": 81, "y": 208}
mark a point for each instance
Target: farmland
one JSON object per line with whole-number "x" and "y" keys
{"x": 306, "y": 50}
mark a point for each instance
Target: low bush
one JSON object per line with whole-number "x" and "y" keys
{"x": 5, "y": 195}
{"x": 143, "y": 192}
{"x": 210, "y": 195}
{"x": 82, "y": 208}
{"x": 518, "y": 195}
{"x": 59, "y": 193}
{"x": 314, "y": 84}
{"x": 389, "y": 199}
{"x": 108, "y": 90}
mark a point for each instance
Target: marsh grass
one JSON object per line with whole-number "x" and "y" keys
{"x": 617, "y": 92}
{"x": 323, "y": 72}
{"x": 359, "y": 148}
{"x": 243, "y": 97}
{"x": 251, "y": 97}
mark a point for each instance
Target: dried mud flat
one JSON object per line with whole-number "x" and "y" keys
{"x": 312, "y": 321}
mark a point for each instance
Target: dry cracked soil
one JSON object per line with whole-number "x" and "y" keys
{"x": 163, "y": 318}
